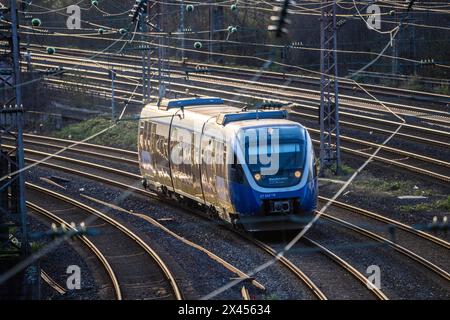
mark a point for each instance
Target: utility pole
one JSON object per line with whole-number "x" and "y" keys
{"x": 182, "y": 9}
{"x": 112, "y": 76}
{"x": 211, "y": 30}
{"x": 12, "y": 162}
{"x": 15, "y": 52}
{"x": 139, "y": 15}
{"x": 329, "y": 89}
{"x": 394, "y": 44}
{"x": 163, "y": 62}
{"x": 25, "y": 7}
{"x": 146, "y": 56}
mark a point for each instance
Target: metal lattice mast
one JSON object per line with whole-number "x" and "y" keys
{"x": 16, "y": 52}
{"x": 163, "y": 62}
{"x": 394, "y": 44}
{"x": 146, "y": 56}
{"x": 181, "y": 29}
{"x": 329, "y": 89}
{"x": 12, "y": 162}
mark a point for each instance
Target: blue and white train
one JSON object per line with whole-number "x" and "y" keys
{"x": 221, "y": 169}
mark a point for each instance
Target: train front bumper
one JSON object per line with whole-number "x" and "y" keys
{"x": 274, "y": 222}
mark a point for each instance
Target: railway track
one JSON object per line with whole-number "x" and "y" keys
{"x": 300, "y": 111}
{"x": 125, "y": 183}
{"x": 431, "y": 167}
{"x": 268, "y": 249}
{"x": 52, "y": 283}
{"x": 436, "y": 138}
{"x": 353, "y": 284}
{"x": 406, "y": 240}
{"x": 267, "y": 76}
{"x": 151, "y": 277}
{"x": 205, "y": 84}
{"x": 35, "y": 209}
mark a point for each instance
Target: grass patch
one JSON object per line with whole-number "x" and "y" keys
{"x": 123, "y": 135}
{"x": 444, "y": 204}
{"x": 438, "y": 205}
{"x": 36, "y": 246}
{"x": 272, "y": 296}
{"x": 394, "y": 187}
{"x": 443, "y": 89}
{"x": 345, "y": 171}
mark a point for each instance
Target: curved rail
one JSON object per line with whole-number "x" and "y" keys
{"x": 125, "y": 230}
{"x": 422, "y": 261}
{"x": 355, "y": 273}
{"x": 86, "y": 241}
{"x": 378, "y": 238}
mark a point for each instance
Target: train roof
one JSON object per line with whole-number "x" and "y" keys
{"x": 214, "y": 109}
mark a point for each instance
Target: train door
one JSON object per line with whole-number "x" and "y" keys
{"x": 221, "y": 183}
{"x": 160, "y": 153}
{"x": 208, "y": 169}
{"x": 145, "y": 158}
{"x": 196, "y": 157}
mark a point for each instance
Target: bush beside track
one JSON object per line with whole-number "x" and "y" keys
{"x": 123, "y": 135}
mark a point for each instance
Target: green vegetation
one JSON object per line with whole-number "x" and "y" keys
{"x": 272, "y": 296}
{"x": 443, "y": 89}
{"x": 123, "y": 135}
{"x": 36, "y": 246}
{"x": 444, "y": 204}
{"x": 438, "y": 205}
{"x": 394, "y": 187}
{"x": 345, "y": 171}
{"x": 388, "y": 190}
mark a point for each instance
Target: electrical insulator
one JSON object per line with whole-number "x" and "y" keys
{"x": 36, "y": 22}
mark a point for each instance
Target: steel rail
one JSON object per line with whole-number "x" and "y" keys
{"x": 285, "y": 262}
{"x": 378, "y": 217}
{"x": 198, "y": 247}
{"x": 86, "y": 241}
{"x": 369, "y": 234}
{"x": 397, "y": 247}
{"x": 311, "y": 80}
{"x": 351, "y": 115}
{"x": 52, "y": 283}
{"x": 119, "y": 226}
{"x": 282, "y": 90}
{"x": 349, "y": 268}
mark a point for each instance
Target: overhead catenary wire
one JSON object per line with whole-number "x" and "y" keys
{"x": 266, "y": 62}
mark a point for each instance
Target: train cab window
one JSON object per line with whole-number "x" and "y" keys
{"x": 282, "y": 151}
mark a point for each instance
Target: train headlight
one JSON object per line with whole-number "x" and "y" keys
{"x": 298, "y": 174}
{"x": 257, "y": 177}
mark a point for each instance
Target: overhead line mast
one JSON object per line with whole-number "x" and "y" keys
{"x": 330, "y": 155}
{"x": 139, "y": 14}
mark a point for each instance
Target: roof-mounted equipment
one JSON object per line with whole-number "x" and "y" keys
{"x": 167, "y": 104}
{"x": 225, "y": 118}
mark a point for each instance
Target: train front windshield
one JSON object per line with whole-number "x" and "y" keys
{"x": 275, "y": 156}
